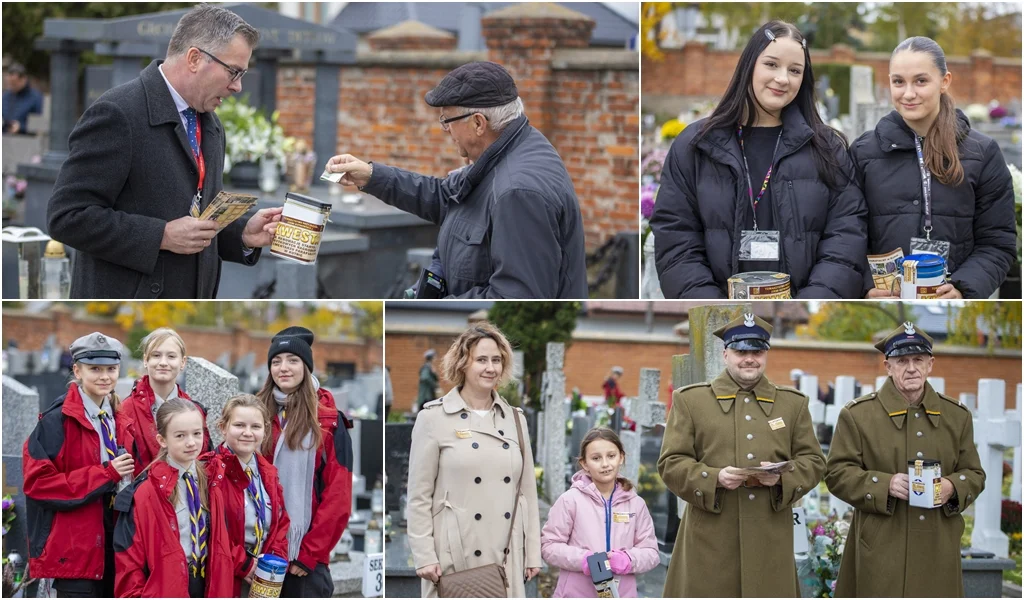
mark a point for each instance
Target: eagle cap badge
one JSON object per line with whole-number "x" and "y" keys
{"x": 748, "y": 320}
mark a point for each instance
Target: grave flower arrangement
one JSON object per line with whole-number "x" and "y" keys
{"x": 250, "y": 135}
{"x": 828, "y": 540}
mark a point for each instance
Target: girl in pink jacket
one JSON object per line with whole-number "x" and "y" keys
{"x": 600, "y": 513}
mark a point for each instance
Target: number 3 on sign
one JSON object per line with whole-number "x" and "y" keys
{"x": 373, "y": 575}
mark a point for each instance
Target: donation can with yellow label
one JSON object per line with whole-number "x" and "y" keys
{"x": 925, "y": 482}
{"x": 301, "y": 229}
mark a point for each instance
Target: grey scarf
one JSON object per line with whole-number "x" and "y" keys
{"x": 296, "y": 469}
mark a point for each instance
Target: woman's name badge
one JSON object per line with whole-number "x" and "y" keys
{"x": 620, "y": 517}
{"x": 776, "y": 424}
{"x": 759, "y": 245}
{"x": 463, "y": 434}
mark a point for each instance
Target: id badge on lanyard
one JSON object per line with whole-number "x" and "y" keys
{"x": 758, "y": 244}
{"x": 927, "y": 245}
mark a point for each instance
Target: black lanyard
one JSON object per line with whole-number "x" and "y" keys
{"x": 746, "y": 171}
{"x": 926, "y": 185}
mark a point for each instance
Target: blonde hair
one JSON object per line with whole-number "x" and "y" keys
{"x": 157, "y": 337}
{"x": 243, "y": 401}
{"x": 302, "y": 413}
{"x": 167, "y": 411}
{"x": 459, "y": 355}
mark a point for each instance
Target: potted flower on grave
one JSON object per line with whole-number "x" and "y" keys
{"x": 828, "y": 540}
{"x": 256, "y": 146}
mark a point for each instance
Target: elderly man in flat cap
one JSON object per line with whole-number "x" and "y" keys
{"x": 896, "y": 547}
{"x": 736, "y": 537}
{"x": 510, "y": 221}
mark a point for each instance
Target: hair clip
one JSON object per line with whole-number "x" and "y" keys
{"x": 803, "y": 43}
{"x": 768, "y": 33}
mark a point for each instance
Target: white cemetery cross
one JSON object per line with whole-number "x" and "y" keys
{"x": 809, "y": 387}
{"x": 969, "y": 401}
{"x": 553, "y": 402}
{"x": 647, "y": 412}
{"x": 1015, "y": 489}
{"x": 844, "y": 394}
{"x": 994, "y": 431}
{"x": 938, "y": 384}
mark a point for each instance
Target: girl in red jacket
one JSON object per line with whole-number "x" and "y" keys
{"x": 163, "y": 354}
{"x": 252, "y": 495}
{"x": 73, "y": 462}
{"x": 191, "y": 558}
{"x": 311, "y": 448}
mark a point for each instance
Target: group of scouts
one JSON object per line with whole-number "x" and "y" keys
{"x": 736, "y": 535}
{"x": 129, "y": 498}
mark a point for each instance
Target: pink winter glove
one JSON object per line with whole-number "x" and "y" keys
{"x": 586, "y": 566}
{"x": 620, "y": 562}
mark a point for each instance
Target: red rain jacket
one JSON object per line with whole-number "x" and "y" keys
{"x": 223, "y": 462}
{"x": 138, "y": 406}
{"x": 147, "y": 552}
{"x": 65, "y": 488}
{"x": 332, "y": 484}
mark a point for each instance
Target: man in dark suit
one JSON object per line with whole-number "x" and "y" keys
{"x": 145, "y": 159}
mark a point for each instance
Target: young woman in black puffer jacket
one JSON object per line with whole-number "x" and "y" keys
{"x": 765, "y": 161}
{"x": 960, "y": 178}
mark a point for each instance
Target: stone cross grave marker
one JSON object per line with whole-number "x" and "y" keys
{"x": 647, "y": 412}
{"x": 995, "y": 430}
{"x": 1014, "y": 415}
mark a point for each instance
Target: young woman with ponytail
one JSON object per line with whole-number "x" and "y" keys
{"x": 192, "y": 558}
{"x": 932, "y": 182}
{"x": 310, "y": 446}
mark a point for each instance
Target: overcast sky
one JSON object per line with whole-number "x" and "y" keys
{"x": 628, "y": 9}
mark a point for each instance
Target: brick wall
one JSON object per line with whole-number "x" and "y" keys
{"x": 587, "y": 108}
{"x": 31, "y": 331}
{"x": 696, "y": 70}
{"x": 587, "y": 363}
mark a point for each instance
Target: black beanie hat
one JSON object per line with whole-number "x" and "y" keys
{"x": 297, "y": 341}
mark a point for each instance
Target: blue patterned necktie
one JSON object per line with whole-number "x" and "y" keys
{"x": 253, "y": 491}
{"x": 193, "y": 140}
{"x": 197, "y": 527}
{"x": 107, "y": 432}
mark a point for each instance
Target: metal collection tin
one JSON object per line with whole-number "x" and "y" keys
{"x": 922, "y": 276}
{"x": 759, "y": 285}
{"x": 299, "y": 233}
{"x": 269, "y": 577}
{"x": 925, "y": 482}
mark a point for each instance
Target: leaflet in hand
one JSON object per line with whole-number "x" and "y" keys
{"x": 227, "y": 207}
{"x": 885, "y": 271}
{"x": 779, "y": 467}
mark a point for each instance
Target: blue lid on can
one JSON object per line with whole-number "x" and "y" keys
{"x": 928, "y": 265}
{"x": 272, "y": 562}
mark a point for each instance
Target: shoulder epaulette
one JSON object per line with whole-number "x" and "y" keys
{"x": 788, "y": 388}
{"x": 694, "y": 385}
{"x": 432, "y": 404}
{"x": 863, "y": 398}
{"x": 952, "y": 400}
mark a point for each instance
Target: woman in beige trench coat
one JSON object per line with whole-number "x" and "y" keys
{"x": 464, "y": 465}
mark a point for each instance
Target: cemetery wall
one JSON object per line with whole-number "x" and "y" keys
{"x": 31, "y": 331}
{"x": 696, "y": 70}
{"x": 587, "y": 362}
{"x": 585, "y": 101}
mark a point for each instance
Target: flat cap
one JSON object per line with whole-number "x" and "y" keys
{"x": 748, "y": 332}
{"x": 474, "y": 85}
{"x": 96, "y": 349}
{"x": 905, "y": 340}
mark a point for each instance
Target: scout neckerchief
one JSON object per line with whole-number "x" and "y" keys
{"x": 254, "y": 495}
{"x": 198, "y": 527}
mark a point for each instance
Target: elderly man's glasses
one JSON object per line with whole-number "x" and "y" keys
{"x": 446, "y": 121}
{"x": 236, "y": 74}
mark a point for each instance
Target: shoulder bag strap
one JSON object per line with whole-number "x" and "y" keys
{"x": 515, "y": 507}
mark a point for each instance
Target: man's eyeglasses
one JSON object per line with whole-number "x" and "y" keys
{"x": 446, "y": 121}
{"x": 235, "y": 73}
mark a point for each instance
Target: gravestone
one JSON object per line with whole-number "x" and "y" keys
{"x": 224, "y": 360}
{"x": 211, "y": 386}
{"x": 21, "y": 413}
{"x": 396, "y": 464}
{"x": 17, "y": 362}
{"x": 647, "y": 412}
{"x": 553, "y": 401}
{"x": 862, "y": 85}
{"x": 580, "y": 427}
{"x": 1015, "y": 487}
{"x": 994, "y": 432}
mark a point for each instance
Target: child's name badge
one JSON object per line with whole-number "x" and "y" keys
{"x": 776, "y": 423}
{"x": 620, "y": 517}
{"x": 463, "y": 434}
